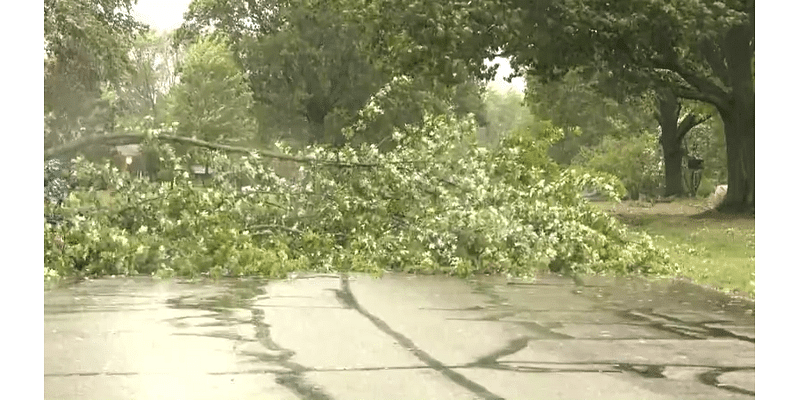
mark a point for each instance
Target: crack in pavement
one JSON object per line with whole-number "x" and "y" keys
{"x": 689, "y": 330}
{"x": 646, "y": 370}
{"x": 667, "y": 323}
{"x": 292, "y": 380}
{"x": 711, "y": 378}
{"x": 220, "y": 306}
{"x": 345, "y": 295}
{"x": 499, "y": 303}
{"x": 512, "y": 347}
{"x": 702, "y": 326}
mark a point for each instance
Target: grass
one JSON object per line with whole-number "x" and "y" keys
{"x": 708, "y": 248}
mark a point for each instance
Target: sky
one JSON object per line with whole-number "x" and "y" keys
{"x": 161, "y": 14}
{"x": 165, "y": 15}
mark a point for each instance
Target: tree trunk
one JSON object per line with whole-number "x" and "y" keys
{"x": 739, "y": 138}
{"x": 316, "y": 111}
{"x": 669, "y": 110}
{"x": 740, "y": 121}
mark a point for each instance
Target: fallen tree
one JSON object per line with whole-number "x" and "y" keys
{"x": 118, "y": 139}
{"x": 435, "y": 204}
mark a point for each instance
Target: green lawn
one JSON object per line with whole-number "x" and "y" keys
{"x": 708, "y": 248}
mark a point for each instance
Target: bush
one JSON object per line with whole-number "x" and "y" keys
{"x": 636, "y": 161}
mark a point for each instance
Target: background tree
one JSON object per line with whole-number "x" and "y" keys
{"x": 212, "y": 101}
{"x": 591, "y": 108}
{"x": 674, "y": 128}
{"x": 311, "y": 72}
{"x": 505, "y": 112}
{"x": 701, "y": 50}
{"x": 304, "y": 64}
{"x": 86, "y": 46}
{"x": 576, "y": 104}
{"x": 154, "y": 72}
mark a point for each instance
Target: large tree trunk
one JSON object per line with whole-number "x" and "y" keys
{"x": 740, "y": 121}
{"x": 669, "y": 110}
{"x": 739, "y": 138}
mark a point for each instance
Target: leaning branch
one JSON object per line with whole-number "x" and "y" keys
{"x": 268, "y": 227}
{"x": 129, "y": 138}
{"x": 702, "y": 89}
{"x": 689, "y": 122}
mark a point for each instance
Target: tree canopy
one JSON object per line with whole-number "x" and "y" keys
{"x": 86, "y": 44}
{"x": 212, "y": 101}
{"x": 699, "y": 49}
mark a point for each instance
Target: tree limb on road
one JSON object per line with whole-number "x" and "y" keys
{"x": 129, "y": 138}
{"x": 272, "y": 226}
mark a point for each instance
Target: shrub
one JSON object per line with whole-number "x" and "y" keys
{"x": 636, "y": 161}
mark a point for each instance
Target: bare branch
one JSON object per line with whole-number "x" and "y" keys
{"x": 689, "y": 122}
{"x": 130, "y": 138}
{"x": 273, "y": 226}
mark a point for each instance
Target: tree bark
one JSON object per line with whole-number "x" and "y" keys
{"x": 316, "y": 111}
{"x": 672, "y": 134}
{"x": 739, "y": 138}
{"x": 669, "y": 110}
{"x": 740, "y": 121}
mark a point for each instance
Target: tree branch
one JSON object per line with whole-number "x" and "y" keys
{"x": 713, "y": 56}
{"x": 692, "y": 94}
{"x": 130, "y": 138}
{"x": 273, "y": 226}
{"x": 689, "y": 122}
{"x": 704, "y": 90}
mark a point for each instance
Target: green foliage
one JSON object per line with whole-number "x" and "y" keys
{"x": 212, "y": 101}
{"x": 436, "y": 203}
{"x": 636, "y": 161}
{"x": 89, "y": 39}
{"x": 312, "y": 70}
{"x": 86, "y": 45}
{"x": 576, "y": 105}
{"x": 505, "y": 113}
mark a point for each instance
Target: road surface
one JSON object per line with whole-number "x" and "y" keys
{"x": 396, "y": 337}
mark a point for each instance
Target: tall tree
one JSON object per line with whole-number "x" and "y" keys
{"x": 700, "y": 49}
{"x": 311, "y": 71}
{"x": 154, "y": 72}
{"x": 580, "y": 105}
{"x": 86, "y": 46}
{"x": 305, "y": 65}
{"x": 212, "y": 101}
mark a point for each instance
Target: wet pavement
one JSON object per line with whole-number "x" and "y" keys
{"x": 398, "y": 337}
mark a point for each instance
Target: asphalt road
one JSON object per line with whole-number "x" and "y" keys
{"x": 397, "y": 337}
